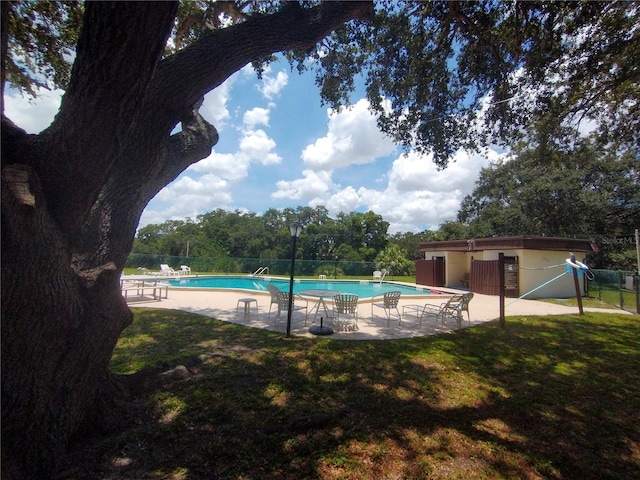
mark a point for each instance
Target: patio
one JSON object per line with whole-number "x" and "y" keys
{"x": 222, "y": 305}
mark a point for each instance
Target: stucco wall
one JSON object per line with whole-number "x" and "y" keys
{"x": 536, "y": 268}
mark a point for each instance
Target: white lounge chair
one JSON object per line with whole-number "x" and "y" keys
{"x": 451, "y": 309}
{"x": 166, "y": 270}
{"x": 380, "y": 274}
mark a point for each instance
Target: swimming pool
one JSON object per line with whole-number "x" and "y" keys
{"x": 362, "y": 288}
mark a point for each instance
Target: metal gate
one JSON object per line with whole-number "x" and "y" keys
{"x": 431, "y": 272}
{"x": 484, "y": 277}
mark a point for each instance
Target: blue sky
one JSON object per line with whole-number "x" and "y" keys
{"x": 280, "y": 148}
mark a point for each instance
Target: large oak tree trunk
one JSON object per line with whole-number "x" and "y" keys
{"x": 72, "y": 198}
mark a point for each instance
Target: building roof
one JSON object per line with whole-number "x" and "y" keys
{"x": 510, "y": 243}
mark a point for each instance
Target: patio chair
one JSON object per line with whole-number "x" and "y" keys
{"x": 453, "y": 309}
{"x": 345, "y": 305}
{"x": 185, "y": 270}
{"x": 389, "y": 301}
{"x": 281, "y": 299}
{"x": 297, "y": 303}
{"x": 166, "y": 270}
{"x": 380, "y": 274}
{"x": 273, "y": 291}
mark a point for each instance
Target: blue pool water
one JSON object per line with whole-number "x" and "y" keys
{"x": 362, "y": 288}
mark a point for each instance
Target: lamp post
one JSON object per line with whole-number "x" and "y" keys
{"x": 295, "y": 228}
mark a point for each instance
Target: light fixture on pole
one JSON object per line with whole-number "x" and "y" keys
{"x": 295, "y": 228}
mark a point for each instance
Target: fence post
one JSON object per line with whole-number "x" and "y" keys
{"x": 502, "y": 287}
{"x": 620, "y": 274}
{"x": 635, "y": 283}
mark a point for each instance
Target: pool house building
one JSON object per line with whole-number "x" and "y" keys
{"x": 535, "y": 266}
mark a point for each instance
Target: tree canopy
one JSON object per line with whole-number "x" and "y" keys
{"x": 442, "y": 75}
{"x": 439, "y": 75}
{"x": 250, "y": 235}
{"x": 587, "y": 193}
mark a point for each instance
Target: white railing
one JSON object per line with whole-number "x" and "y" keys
{"x": 261, "y": 271}
{"x": 384, "y": 274}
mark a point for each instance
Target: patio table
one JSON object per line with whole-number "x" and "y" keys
{"x": 321, "y": 294}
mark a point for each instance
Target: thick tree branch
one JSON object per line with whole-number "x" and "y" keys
{"x": 191, "y": 145}
{"x": 117, "y": 52}
{"x": 104, "y": 237}
{"x": 216, "y": 56}
{"x": 158, "y": 159}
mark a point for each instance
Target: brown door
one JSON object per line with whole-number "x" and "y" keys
{"x": 430, "y": 272}
{"x": 438, "y": 272}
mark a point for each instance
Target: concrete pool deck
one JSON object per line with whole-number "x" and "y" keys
{"x": 222, "y": 305}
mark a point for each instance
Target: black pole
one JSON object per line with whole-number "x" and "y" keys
{"x": 637, "y": 289}
{"x": 294, "y": 239}
{"x": 502, "y": 287}
{"x": 576, "y": 284}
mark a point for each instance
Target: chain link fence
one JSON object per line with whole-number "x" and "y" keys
{"x": 228, "y": 265}
{"x": 619, "y": 288}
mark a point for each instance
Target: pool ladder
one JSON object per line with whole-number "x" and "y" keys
{"x": 261, "y": 271}
{"x": 384, "y": 274}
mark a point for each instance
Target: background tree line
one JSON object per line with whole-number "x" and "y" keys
{"x": 585, "y": 193}
{"x": 350, "y": 237}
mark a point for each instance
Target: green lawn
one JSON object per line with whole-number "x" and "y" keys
{"x": 547, "y": 397}
{"x": 615, "y": 296}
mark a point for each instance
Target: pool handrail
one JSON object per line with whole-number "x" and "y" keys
{"x": 260, "y": 271}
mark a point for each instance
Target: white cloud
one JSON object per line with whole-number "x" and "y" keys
{"x": 311, "y": 187}
{"x": 413, "y": 195}
{"x": 413, "y": 172}
{"x": 416, "y": 195}
{"x": 352, "y": 139}
{"x": 206, "y": 187}
{"x": 270, "y": 86}
{"x": 346, "y": 200}
{"x": 228, "y": 166}
{"x": 256, "y": 116}
{"x": 420, "y": 196}
{"x": 214, "y": 108}
{"x": 254, "y": 146}
{"x": 257, "y": 145}
{"x": 208, "y": 184}
{"x": 187, "y": 198}
{"x": 33, "y": 115}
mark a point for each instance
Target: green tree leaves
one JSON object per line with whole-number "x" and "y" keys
{"x": 586, "y": 193}
{"x": 41, "y": 39}
{"x": 354, "y": 236}
{"x": 445, "y": 75}
{"x": 393, "y": 259}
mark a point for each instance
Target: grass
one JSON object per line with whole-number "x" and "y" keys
{"x": 615, "y": 296}
{"x": 587, "y": 302}
{"x": 609, "y": 299}
{"x": 547, "y": 397}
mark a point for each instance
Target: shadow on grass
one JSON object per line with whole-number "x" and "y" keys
{"x": 548, "y": 397}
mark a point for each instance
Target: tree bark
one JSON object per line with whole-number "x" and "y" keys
{"x": 72, "y": 197}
